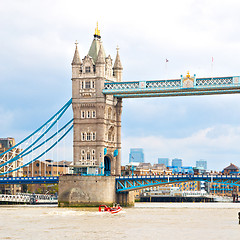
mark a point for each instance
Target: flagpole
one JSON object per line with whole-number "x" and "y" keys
{"x": 166, "y": 69}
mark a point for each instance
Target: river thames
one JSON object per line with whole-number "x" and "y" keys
{"x": 144, "y": 221}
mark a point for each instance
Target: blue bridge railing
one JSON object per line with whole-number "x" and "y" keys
{"x": 173, "y": 87}
{"x": 130, "y": 183}
{"x": 28, "y": 180}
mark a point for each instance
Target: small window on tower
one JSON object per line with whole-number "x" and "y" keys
{"x": 88, "y": 156}
{"x": 88, "y": 69}
{"x": 87, "y": 84}
{"x": 88, "y": 114}
{"x": 88, "y": 136}
{"x": 93, "y": 136}
{"x": 93, "y": 84}
{"x": 83, "y": 136}
{"x": 83, "y": 114}
{"x": 93, "y": 114}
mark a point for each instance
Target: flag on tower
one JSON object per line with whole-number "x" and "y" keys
{"x": 212, "y": 59}
{"x": 167, "y": 60}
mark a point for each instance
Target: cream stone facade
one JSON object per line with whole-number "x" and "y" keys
{"x": 97, "y": 118}
{"x": 6, "y": 144}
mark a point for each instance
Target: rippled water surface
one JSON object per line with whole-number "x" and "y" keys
{"x": 144, "y": 221}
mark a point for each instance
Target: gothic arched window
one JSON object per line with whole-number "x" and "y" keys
{"x": 109, "y": 113}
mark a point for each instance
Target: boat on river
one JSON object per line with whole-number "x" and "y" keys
{"x": 114, "y": 209}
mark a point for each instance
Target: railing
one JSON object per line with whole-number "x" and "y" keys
{"x": 173, "y": 87}
{"x": 28, "y": 180}
{"x": 130, "y": 183}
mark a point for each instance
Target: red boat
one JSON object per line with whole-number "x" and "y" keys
{"x": 115, "y": 209}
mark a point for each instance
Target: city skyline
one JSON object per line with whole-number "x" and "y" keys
{"x": 37, "y": 50}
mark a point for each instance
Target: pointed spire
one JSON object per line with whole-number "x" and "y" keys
{"x": 76, "y": 59}
{"x": 117, "y": 64}
{"x": 101, "y": 55}
{"x": 97, "y": 32}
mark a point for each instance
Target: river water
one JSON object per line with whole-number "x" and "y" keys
{"x": 166, "y": 221}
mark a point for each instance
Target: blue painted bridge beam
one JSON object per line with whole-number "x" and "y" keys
{"x": 28, "y": 180}
{"x": 130, "y": 183}
{"x": 175, "y": 87}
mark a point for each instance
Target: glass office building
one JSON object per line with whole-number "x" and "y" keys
{"x": 136, "y": 155}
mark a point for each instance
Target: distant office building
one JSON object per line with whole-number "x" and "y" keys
{"x": 177, "y": 163}
{"x": 136, "y": 155}
{"x": 201, "y": 164}
{"x": 164, "y": 161}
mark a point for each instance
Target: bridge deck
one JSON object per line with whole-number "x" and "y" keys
{"x": 28, "y": 180}
{"x": 175, "y": 87}
{"x": 131, "y": 183}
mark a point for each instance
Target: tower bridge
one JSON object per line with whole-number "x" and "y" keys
{"x": 97, "y": 93}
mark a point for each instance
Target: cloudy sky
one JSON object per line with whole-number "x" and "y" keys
{"x": 37, "y": 45}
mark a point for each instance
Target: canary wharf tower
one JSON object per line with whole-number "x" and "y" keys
{"x": 97, "y": 117}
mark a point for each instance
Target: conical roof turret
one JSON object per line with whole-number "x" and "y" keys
{"x": 76, "y": 58}
{"x": 117, "y": 63}
{"x": 101, "y": 55}
{"x": 95, "y": 46}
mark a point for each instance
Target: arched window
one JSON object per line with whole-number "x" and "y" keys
{"x": 88, "y": 136}
{"x": 83, "y": 114}
{"x": 83, "y": 136}
{"x": 88, "y": 114}
{"x": 87, "y": 84}
{"x": 111, "y": 133}
{"x": 109, "y": 136}
{"x": 88, "y": 156}
{"x": 109, "y": 113}
{"x": 93, "y": 136}
{"x": 87, "y": 69}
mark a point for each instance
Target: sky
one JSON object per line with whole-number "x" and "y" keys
{"x": 37, "y": 46}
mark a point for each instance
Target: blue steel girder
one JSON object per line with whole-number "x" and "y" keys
{"x": 124, "y": 184}
{"x": 28, "y": 180}
{"x": 166, "y": 88}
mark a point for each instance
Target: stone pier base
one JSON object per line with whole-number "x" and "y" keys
{"x": 126, "y": 199}
{"x": 90, "y": 191}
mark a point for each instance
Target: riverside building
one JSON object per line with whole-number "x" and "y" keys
{"x": 164, "y": 161}
{"x": 6, "y": 144}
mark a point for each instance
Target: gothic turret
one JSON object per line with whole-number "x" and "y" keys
{"x": 76, "y": 59}
{"x": 76, "y": 63}
{"x": 95, "y": 46}
{"x": 117, "y": 68}
{"x": 100, "y": 62}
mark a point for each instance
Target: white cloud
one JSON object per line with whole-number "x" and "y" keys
{"x": 218, "y": 149}
{"x": 37, "y": 39}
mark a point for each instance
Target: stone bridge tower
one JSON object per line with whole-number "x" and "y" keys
{"x": 97, "y": 118}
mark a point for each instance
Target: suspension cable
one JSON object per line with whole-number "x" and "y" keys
{"x": 65, "y": 106}
{"x": 53, "y": 145}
